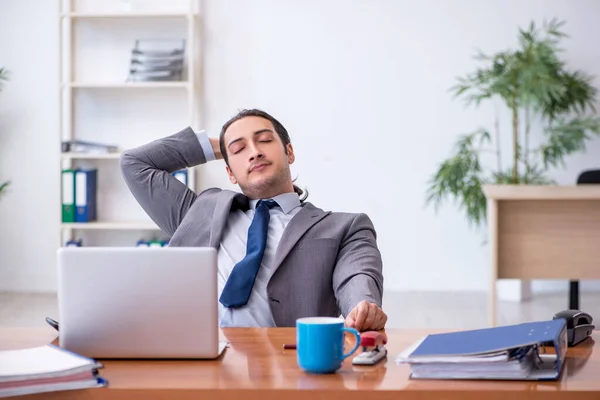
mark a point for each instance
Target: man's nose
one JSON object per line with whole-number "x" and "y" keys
{"x": 255, "y": 153}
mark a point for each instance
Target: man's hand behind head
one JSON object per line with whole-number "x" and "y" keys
{"x": 214, "y": 142}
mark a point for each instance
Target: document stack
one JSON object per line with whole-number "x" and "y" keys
{"x": 46, "y": 369}
{"x": 530, "y": 351}
{"x": 157, "y": 60}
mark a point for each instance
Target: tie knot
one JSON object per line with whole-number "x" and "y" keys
{"x": 268, "y": 202}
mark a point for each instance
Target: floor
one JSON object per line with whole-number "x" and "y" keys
{"x": 459, "y": 310}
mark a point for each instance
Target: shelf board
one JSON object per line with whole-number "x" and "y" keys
{"x": 129, "y": 85}
{"x": 124, "y": 14}
{"x": 141, "y": 225}
{"x": 90, "y": 156}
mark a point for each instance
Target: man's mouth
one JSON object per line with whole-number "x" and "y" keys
{"x": 258, "y": 167}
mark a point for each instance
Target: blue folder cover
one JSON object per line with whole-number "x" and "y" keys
{"x": 529, "y": 351}
{"x": 490, "y": 340}
{"x": 86, "y": 181}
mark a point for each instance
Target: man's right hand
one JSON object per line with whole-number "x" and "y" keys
{"x": 216, "y": 148}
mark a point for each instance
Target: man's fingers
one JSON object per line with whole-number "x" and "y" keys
{"x": 349, "y": 322}
{"x": 366, "y": 316}
{"x": 371, "y": 316}
{"x": 380, "y": 320}
{"x": 362, "y": 311}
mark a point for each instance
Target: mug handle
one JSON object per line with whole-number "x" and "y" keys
{"x": 357, "y": 336}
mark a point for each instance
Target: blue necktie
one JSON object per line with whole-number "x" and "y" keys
{"x": 239, "y": 284}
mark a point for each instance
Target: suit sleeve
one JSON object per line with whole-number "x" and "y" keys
{"x": 147, "y": 172}
{"x": 358, "y": 272}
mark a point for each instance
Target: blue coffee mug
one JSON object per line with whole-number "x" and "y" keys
{"x": 320, "y": 344}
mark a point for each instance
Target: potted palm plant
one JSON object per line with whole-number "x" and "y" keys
{"x": 534, "y": 83}
{"x": 3, "y": 77}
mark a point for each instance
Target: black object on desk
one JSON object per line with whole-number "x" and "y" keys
{"x": 52, "y": 323}
{"x": 579, "y": 325}
{"x": 587, "y": 177}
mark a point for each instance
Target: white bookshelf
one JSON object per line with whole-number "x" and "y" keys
{"x": 128, "y": 85}
{"x": 99, "y": 104}
{"x": 90, "y": 156}
{"x": 108, "y": 15}
{"x": 109, "y": 225}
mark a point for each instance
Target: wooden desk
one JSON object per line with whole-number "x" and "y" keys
{"x": 542, "y": 232}
{"x": 255, "y": 366}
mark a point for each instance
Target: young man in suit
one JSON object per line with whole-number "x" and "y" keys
{"x": 280, "y": 258}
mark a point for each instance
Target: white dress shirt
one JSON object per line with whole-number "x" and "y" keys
{"x": 232, "y": 249}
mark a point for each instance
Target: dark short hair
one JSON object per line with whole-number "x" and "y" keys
{"x": 279, "y": 129}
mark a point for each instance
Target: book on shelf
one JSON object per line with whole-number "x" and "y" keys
{"x": 529, "y": 351}
{"x": 79, "y": 195}
{"x": 47, "y": 368}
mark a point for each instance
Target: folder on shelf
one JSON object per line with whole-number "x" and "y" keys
{"x": 68, "y": 195}
{"x": 85, "y": 194}
{"x": 182, "y": 176}
{"x": 44, "y": 369}
{"x": 81, "y": 146}
{"x": 529, "y": 351}
{"x": 152, "y": 243}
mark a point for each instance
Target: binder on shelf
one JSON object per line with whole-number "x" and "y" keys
{"x": 152, "y": 243}
{"x": 81, "y": 146}
{"x": 182, "y": 176}
{"x": 68, "y": 195}
{"x": 85, "y": 194}
{"x": 529, "y": 351}
{"x": 45, "y": 369}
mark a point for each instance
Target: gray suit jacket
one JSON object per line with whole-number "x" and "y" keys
{"x": 326, "y": 262}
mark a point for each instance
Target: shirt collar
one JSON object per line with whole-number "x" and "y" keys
{"x": 287, "y": 202}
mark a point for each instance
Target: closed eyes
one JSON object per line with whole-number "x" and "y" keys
{"x": 260, "y": 141}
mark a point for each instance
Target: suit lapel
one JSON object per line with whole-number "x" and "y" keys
{"x": 297, "y": 227}
{"x": 221, "y": 214}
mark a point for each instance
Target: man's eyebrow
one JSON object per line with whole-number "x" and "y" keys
{"x": 258, "y": 132}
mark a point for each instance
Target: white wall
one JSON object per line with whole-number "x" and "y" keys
{"x": 362, "y": 86}
{"x": 29, "y": 152}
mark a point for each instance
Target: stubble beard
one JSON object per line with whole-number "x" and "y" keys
{"x": 269, "y": 187}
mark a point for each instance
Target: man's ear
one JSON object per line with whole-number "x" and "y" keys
{"x": 290, "y": 153}
{"x": 230, "y": 175}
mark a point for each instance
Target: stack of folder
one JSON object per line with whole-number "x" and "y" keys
{"x": 46, "y": 368}
{"x": 79, "y": 192}
{"x": 157, "y": 60}
{"x": 530, "y": 351}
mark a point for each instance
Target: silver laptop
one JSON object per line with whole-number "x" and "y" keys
{"x": 121, "y": 302}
